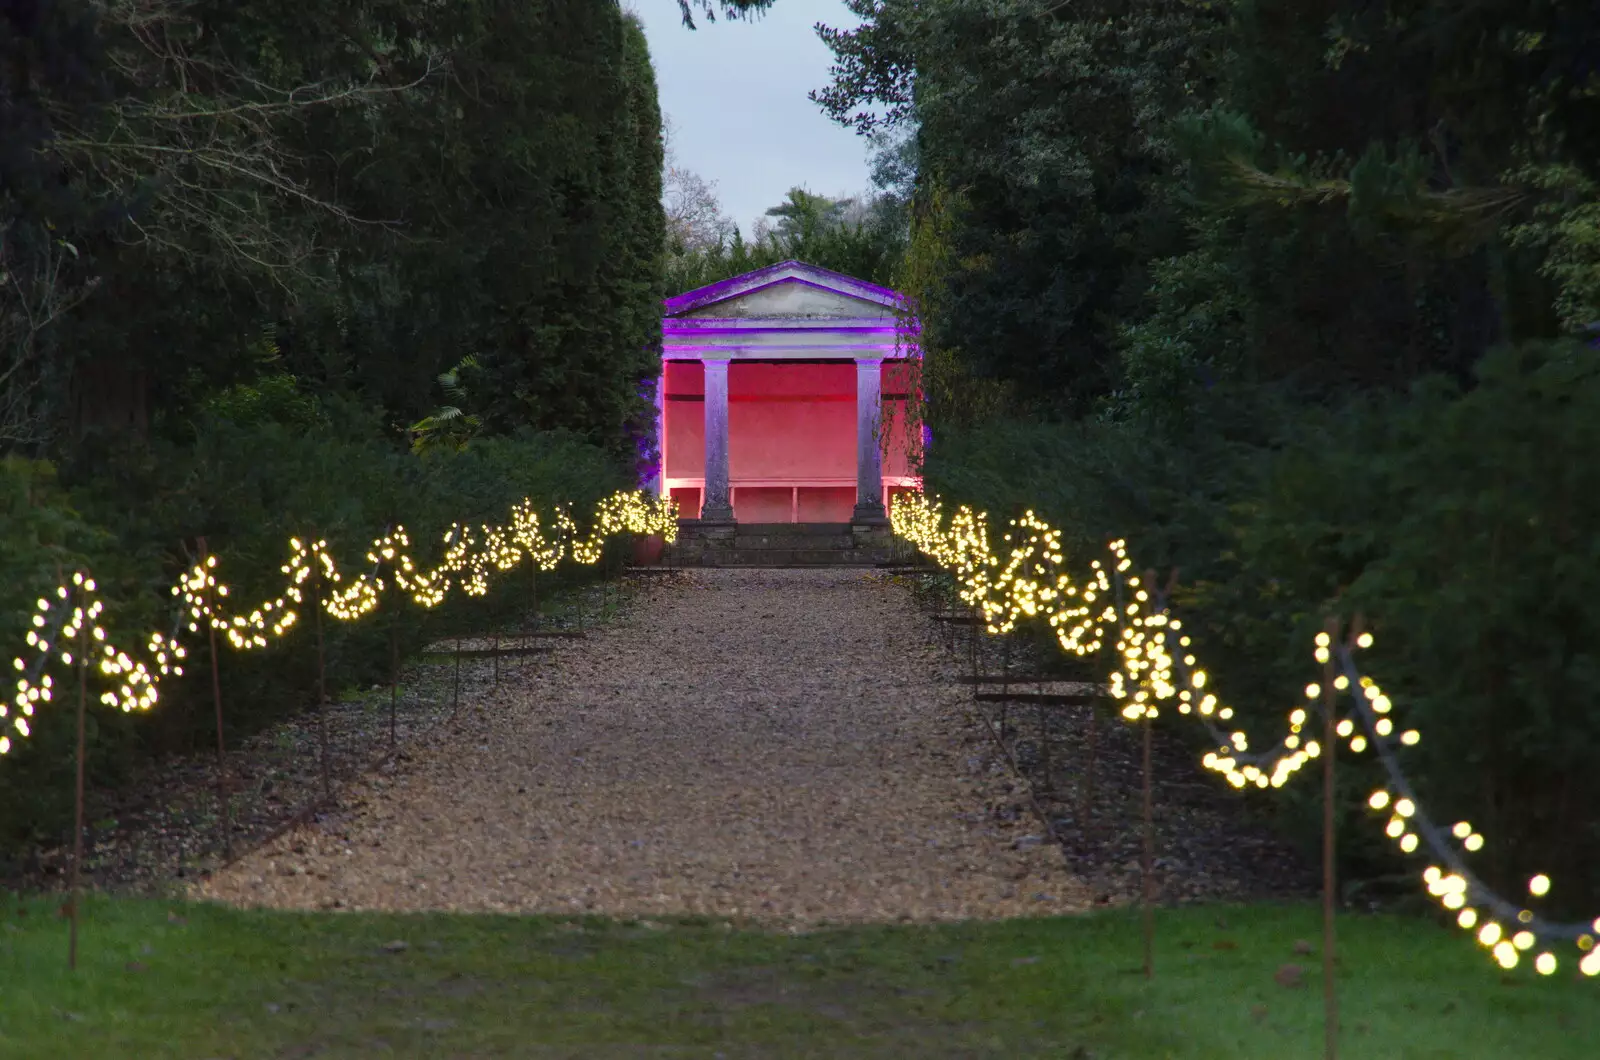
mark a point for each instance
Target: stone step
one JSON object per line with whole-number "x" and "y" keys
{"x": 799, "y": 529}
{"x": 772, "y": 557}
{"x": 774, "y": 535}
{"x": 779, "y": 545}
{"x": 788, "y": 542}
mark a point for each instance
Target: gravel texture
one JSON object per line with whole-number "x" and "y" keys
{"x": 782, "y": 746}
{"x": 1082, "y": 768}
{"x": 157, "y": 830}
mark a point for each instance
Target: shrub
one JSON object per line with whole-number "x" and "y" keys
{"x": 262, "y": 466}
{"x": 1463, "y": 523}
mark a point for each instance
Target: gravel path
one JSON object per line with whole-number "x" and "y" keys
{"x": 774, "y": 745}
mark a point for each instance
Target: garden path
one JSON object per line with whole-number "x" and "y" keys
{"x": 780, "y": 745}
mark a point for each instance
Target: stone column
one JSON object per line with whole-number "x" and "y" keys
{"x": 714, "y": 506}
{"x": 869, "y": 458}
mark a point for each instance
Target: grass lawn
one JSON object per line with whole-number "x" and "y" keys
{"x": 165, "y": 979}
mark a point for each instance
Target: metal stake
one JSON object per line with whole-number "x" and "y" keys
{"x": 1148, "y": 862}
{"x": 580, "y": 603}
{"x": 1005, "y": 682}
{"x": 972, "y": 655}
{"x": 1044, "y": 746}
{"x": 1330, "y": 998}
{"x": 394, "y": 676}
{"x": 1086, "y": 796}
{"x": 322, "y": 689}
{"x": 77, "y": 810}
{"x": 223, "y": 808}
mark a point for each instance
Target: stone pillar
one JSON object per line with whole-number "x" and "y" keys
{"x": 869, "y": 458}
{"x": 714, "y": 506}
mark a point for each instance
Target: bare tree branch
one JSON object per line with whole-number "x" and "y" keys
{"x": 194, "y": 153}
{"x": 206, "y": 133}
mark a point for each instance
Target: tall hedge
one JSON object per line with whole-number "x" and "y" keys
{"x": 561, "y": 192}
{"x": 512, "y": 151}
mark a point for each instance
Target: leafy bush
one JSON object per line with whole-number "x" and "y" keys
{"x": 41, "y": 536}
{"x": 1463, "y": 523}
{"x": 258, "y": 470}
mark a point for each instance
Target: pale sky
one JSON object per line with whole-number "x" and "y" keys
{"x": 736, "y": 94}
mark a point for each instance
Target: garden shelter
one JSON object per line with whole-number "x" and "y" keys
{"x": 784, "y": 396}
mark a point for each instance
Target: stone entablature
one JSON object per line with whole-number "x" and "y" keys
{"x": 790, "y": 314}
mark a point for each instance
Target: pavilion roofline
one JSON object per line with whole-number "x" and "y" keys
{"x": 861, "y": 352}
{"x": 738, "y": 325}
{"x": 812, "y": 275}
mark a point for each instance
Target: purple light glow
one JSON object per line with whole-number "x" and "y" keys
{"x": 886, "y": 336}
{"x": 811, "y": 275}
{"x": 649, "y": 465}
{"x": 647, "y": 448}
{"x": 747, "y": 354}
{"x": 701, "y": 327}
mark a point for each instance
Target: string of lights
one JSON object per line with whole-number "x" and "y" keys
{"x": 1155, "y": 664}
{"x": 67, "y": 623}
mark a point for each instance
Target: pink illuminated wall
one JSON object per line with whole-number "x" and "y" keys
{"x": 899, "y": 383}
{"x": 789, "y": 425}
{"x": 683, "y": 412}
{"x": 791, "y": 422}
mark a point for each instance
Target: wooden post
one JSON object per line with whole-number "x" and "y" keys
{"x": 1330, "y": 737}
{"x": 223, "y": 809}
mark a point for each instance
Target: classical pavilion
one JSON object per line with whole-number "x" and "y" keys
{"x": 783, "y": 398}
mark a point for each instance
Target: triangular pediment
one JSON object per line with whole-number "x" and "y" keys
{"x": 790, "y": 290}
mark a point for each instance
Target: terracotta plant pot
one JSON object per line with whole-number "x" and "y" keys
{"x": 647, "y": 550}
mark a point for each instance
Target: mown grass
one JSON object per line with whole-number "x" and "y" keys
{"x": 162, "y": 979}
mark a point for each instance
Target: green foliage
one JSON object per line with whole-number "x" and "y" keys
{"x": 1194, "y": 333}
{"x": 729, "y": 8}
{"x": 381, "y": 189}
{"x": 1399, "y": 183}
{"x": 1015, "y": 989}
{"x": 813, "y": 229}
{"x": 1566, "y": 227}
{"x": 1460, "y": 521}
{"x": 1058, "y": 213}
{"x": 270, "y": 399}
{"x": 1274, "y": 290}
{"x": 247, "y": 484}
{"x": 538, "y": 248}
{"x": 42, "y": 530}
{"x": 952, "y": 394}
{"x": 448, "y": 425}
{"x": 52, "y": 57}
{"x": 872, "y": 66}
{"x": 239, "y": 242}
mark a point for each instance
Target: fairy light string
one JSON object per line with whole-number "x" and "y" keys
{"x": 470, "y": 558}
{"x": 1155, "y": 664}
